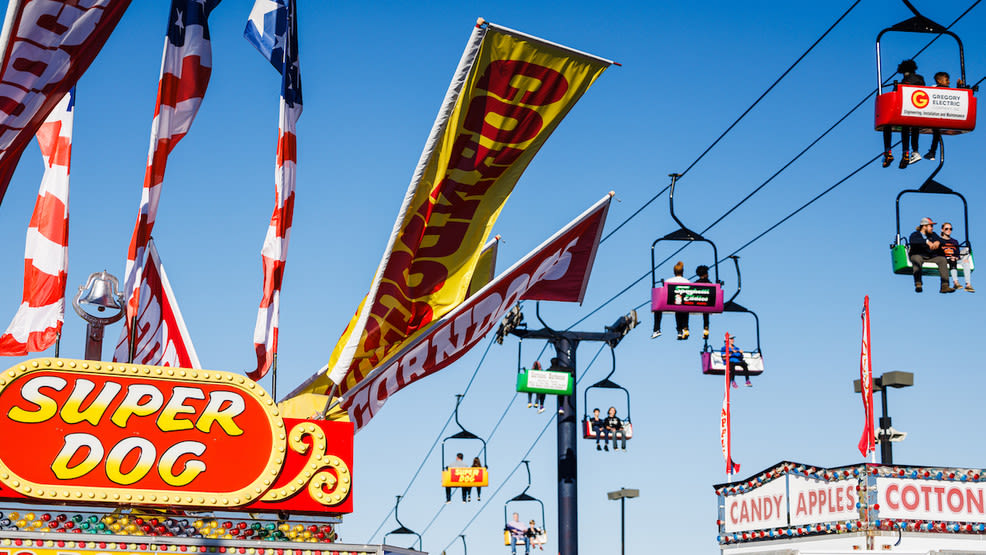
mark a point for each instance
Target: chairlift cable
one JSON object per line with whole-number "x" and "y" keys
{"x": 812, "y": 144}
{"x": 758, "y": 188}
{"x": 745, "y": 112}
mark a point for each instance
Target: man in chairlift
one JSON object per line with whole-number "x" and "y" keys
{"x": 459, "y": 463}
{"x": 517, "y": 532}
{"x": 925, "y": 246}
{"x": 736, "y": 362}
{"x": 680, "y": 318}
{"x": 614, "y": 427}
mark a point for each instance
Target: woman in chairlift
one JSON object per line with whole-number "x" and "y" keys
{"x": 909, "y": 76}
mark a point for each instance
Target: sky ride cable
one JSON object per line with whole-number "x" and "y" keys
{"x": 762, "y": 185}
{"x": 435, "y": 443}
{"x": 526, "y": 454}
{"x": 886, "y": 82}
{"x": 732, "y": 125}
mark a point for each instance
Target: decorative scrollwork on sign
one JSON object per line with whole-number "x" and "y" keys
{"x": 327, "y": 476}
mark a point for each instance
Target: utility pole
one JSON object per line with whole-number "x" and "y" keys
{"x": 566, "y": 343}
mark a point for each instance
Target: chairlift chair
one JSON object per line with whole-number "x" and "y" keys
{"x": 684, "y": 297}
{"x": 523, "y": 496}
{"x": 712, "y": 360}
{"x": 587, "y": 431}
{"x": 900, "y": 250}
{"x": 949, "y": 110}
{"x": 464, "y": 476}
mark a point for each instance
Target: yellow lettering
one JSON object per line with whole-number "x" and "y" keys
{"x": 192, "y": 468}
{"x": 132, "y": 405}
{"x": 74, "y": 442}
{"x": 167, "y": 421}
{"x": 223, "y": 415}
{"x": 31, "y": 392}
{"x": 119, "y": 452}
{"x": 71, "y": 413}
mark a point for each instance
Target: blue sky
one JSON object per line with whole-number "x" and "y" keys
{"x": 374, "y": 76}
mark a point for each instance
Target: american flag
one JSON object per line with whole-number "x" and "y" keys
{"x": 272, "y": 28}
{"x": 185, "y": 69}
{"x": 39, "y": 318}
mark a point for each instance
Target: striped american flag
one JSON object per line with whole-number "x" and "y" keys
{"x": 39, "y": 318}
{"x": 185, "y": 70}
{"x": 272, "y": 28}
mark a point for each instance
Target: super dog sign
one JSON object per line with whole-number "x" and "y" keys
{"x": 87, "y": 431}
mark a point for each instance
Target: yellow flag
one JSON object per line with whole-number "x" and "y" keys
{"x": 509, "y": 93}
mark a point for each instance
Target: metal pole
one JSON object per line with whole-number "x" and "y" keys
{"x": 886, "y": 450}
{"x": 94, "y": 341}
{"x": 568, "y": 516}
{"x": 623, "y": 502}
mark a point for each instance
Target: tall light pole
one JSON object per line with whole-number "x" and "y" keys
{"x": 623, "y": 494}
{"x": 887, "y": 433}
{"x": 100, "y": 291}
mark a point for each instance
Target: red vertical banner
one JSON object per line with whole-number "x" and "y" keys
{"x": 725, "y": 426}
{"x": 866, "y": 443}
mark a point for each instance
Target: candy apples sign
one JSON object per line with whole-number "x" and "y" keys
{"x": 96, "y": 432}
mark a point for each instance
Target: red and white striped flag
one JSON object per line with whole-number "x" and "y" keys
{"x": 867, "y": 441}
{"x": 272, "y": 28}
{"x": 161, "y": 338}
{"x": 725, "y": 424}
{"x": 39, "y": 319}
{"x": 185, "y": 69}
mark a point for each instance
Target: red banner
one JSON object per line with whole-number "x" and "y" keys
{"x": 46, "y": 45}
{"x": 563, "y": 260}
{"x": 161, "y": 338}
{"x": 866, "y": 443}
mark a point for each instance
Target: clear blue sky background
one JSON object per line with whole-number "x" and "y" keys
{"x": 374, "y": 76}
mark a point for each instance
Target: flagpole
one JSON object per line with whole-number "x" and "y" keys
{"x": 273, "y": 378}
{"x": 729, "y": 438}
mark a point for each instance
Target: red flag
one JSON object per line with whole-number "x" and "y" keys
{"x": 185, "y": 70}
{"x": 725, "y": 426}
{"x": 46, "y": 46}
{"x": 161, "y": 338}
{"x": 462, "y": 328}
{"x": 39, "y": 318}
{"x": 866, "y": 443}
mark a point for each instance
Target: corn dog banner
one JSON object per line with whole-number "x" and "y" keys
{"x": 105, "y": 433}
{"x": 507, "y": 96}
{"x": 558, "y": 269}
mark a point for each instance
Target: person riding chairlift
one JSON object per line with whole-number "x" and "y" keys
{"x": 680, "y": 318}
{"x": 736, "y": 361}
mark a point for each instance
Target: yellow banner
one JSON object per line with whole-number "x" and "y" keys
{"x": 515, "y": 92}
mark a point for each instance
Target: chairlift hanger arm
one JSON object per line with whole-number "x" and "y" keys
{"x": 931, "y": 186}
{"x": 682, "y": 234}
{"x": 917, "y": 24}
{"x": 739, "y": 281}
